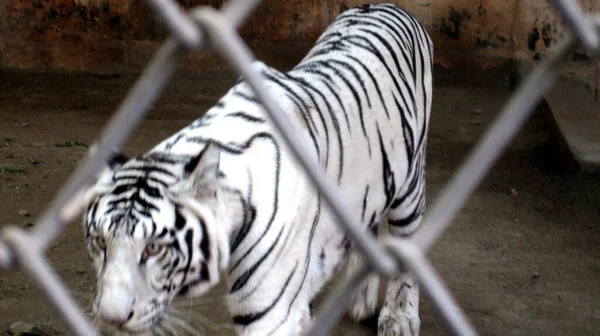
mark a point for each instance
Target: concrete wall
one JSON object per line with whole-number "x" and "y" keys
{"x": 123, "y": 34}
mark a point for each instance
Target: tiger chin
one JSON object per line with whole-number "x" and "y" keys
{"x": 225, "y": 198}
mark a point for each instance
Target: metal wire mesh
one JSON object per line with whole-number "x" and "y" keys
{"x": 207, "y": 27}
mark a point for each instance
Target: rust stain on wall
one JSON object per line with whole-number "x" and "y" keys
{"x": 65, "y": 34}
{"x": 100, "y": 34}
{"x": 452, "y": 25}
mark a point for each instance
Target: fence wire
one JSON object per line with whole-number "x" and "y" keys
{"x": 206, "y": 28}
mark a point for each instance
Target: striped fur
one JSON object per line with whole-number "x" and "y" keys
{"x": 225, "y": 197}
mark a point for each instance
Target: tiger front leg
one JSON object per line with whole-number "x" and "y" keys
{"x": 295, "y": 321}
{"x": 399, "y": 315}
{"x": 365, "y": 297}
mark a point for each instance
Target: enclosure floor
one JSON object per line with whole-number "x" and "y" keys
{"x": 520, "y": 264}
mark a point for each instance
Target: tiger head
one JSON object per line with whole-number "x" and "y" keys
{"x": 155, "y": 229}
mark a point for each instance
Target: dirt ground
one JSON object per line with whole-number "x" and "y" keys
{"x": 524, "y": 264}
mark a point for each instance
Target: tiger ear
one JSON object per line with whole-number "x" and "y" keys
{"x": 115, "y": 160}
{"x": 202, "y": 172}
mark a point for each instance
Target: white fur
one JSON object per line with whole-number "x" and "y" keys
{"x": 400, "y": 313}
{"x": 294, "y": 244}
{"x": 366, "y": 296}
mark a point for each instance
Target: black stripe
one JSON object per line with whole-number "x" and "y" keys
{"x": 306, "y": 264}
{"x": 251, "y": 291}
{"x": 189, "y": 239}
{"x": 364, "y": 205}
{"x": 245, "y": 97}
{"x": 302, "y": 108}
{"x": 407, "y": 135}
{"x": 369, "y": 46}
{"x": 355, "y": 94}
{"x": 389, "y": 182}
{"x": 411, "y": 187}
{"x": 163, "y": 233}
{"x": 249, "y": 214}
{"x": 277, "y": 177}
{"x": 374, "y": 82}
{"x": 313, "y": 69}
{"x": 179, "y": 219}
{"x": 246, "y": 117}
{"x": 334, "y": 120}
{"x": 205, "y": 241}
{"x": 316, "y": 109}
{"x": 405, "y": 221}
{"x": 242, "y": 279}
{"x": 390, "y": 49}
{"x": 250, "y": 318}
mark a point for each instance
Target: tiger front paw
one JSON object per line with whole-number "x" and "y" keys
{"x": 364, "y": 300}
{"x": 400, "y": 324}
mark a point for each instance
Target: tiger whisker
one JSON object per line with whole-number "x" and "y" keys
{"x": 183, "y": 330}
{"x": 171, "y": 316}
{"x": 205, "y": 320}
{"x": 171, "y": 329}
{"x": 211, "y": 324}
{"x": 159, "y": 331}
{"x": 96, "y": 324}
{"x": 189, "y": 309}
{"x": 188, "y": 305}
{"x": 166, "y": 329}
{"x": 224, "y": 326}
{"x": 192, "y": 302}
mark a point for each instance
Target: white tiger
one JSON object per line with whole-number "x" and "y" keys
{"x": 224, "y": 196}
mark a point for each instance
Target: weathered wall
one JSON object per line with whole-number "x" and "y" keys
{"x": 486, "y": 32}
{"x": 117, "y": 34}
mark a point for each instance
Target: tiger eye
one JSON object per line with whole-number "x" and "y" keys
{"x": 100, "y": 242}
{"x": 153, "y": 249}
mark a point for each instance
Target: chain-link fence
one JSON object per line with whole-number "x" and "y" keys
{"x": 205, "y": 28}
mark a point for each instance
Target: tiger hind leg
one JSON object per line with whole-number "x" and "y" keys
{"x": 400, "y": 312}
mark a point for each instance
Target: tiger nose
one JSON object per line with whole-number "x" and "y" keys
{"x": 116, "y": 321}
{"x": 115, "y": 306}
